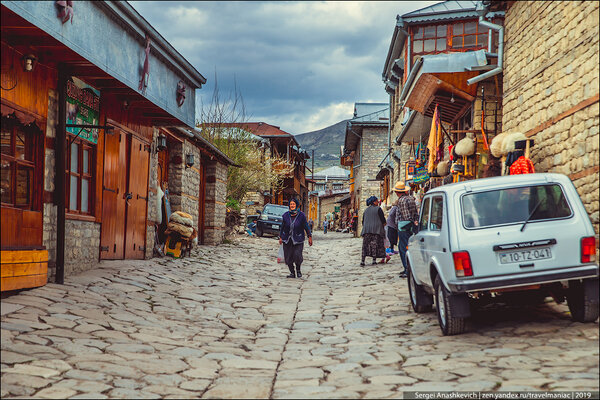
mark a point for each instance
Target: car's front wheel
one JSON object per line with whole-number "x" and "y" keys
{"x": 449, "y": 323}
{"x": 259, "y": 231}
{"x": 582, "y": 299}
{"x": 420, "y": 300}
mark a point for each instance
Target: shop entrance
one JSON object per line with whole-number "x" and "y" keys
{"x": 125, "y": 197}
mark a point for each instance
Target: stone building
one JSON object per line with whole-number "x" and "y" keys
{"x": 550, "y": 82}
{"x": 329, "y": 203}
{"x": 366, "y": 144}
{"x": 80, "y": 137}
{"x": 332, "y": 178}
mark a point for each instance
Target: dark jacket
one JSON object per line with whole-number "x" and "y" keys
{"x": 296, "y": 226}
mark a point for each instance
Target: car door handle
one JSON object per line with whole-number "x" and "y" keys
{"x": 422, "y": 240}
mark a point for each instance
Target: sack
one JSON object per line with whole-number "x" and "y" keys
{"x": 182, "y": 218}
{"x": 280, "y": 255}
{"x": 421, "y": 176}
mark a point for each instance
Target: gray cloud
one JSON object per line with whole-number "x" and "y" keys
{"x": 298, "y": 65}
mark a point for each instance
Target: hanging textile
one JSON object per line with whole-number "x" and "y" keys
{"x": 146, "y": 70}
{"x": 523, "y": 165}
{"x": 435, "y": 142}
{"x": 65, "y": 10}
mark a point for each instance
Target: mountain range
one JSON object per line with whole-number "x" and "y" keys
{"x": 326, "y": 143}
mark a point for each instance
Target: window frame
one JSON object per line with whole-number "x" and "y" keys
{"x": 430, "y": 222}
{"x": 80, "y": 175}
{"x": 14, "y": 127}
{"x": 426, "y": 203}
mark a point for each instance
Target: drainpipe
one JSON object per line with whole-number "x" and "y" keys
{"x": 59, "y": 178}
{"x": 499, "y": 68}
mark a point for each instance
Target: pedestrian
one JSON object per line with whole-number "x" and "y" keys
{"x": 407, "y": 217}
{"x": 373, "y": 232}
{"x": 291, "y": 236}
{"x": 325, "y": 224}
{"x": 392, "y": 227}
{"x": 311, "y": 224}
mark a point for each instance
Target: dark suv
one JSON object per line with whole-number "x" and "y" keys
{"x": 270, "y": 219}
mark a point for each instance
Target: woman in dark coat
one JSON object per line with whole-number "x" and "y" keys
{"x": 373, "y": 232}
{"x": 291, "y": 235}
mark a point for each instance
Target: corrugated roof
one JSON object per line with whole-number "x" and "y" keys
{"x": 362, "y": 109}
{"x": 371, "y": 113}
{"x": 332, "y": 173}
{"x": 443, "y": 7}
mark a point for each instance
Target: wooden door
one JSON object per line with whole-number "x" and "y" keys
{"x": 201, "y": 202}
{"x": 112, "y": 237}
{"x": 137, "y": 205}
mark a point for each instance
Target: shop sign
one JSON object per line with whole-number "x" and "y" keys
{"x": 83, "y": 107}
{"x": 337, "y": 209}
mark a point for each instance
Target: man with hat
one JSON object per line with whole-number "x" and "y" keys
{"x": 407, "y": 216}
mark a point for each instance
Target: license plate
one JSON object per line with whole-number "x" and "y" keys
{"x": 275, "y": 226}
{"x": 518, "y": 256}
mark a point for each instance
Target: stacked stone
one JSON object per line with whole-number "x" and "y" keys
{"x": 216, "y": 193}
{"x": 551, "y": 81}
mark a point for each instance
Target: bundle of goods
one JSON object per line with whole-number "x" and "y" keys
{"x": 180, "y": 233}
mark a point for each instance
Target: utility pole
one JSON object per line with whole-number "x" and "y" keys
{"x": 312, "y": 171}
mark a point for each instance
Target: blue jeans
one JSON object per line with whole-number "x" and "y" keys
{"x": 402, "y": 243}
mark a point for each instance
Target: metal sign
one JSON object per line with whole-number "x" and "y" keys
{"x": 83, "y": 107}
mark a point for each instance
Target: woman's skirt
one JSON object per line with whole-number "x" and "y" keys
{"x": 373, "y": 246}
{"x": 293, "y": 253}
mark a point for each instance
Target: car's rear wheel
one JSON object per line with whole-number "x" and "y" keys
{"x": 449, "y": 323}
{"x": 420, "y": 300}
{"x": 582, "y": 299}
{"x": 259, "y": 231}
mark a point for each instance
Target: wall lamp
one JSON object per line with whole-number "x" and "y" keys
{"x": 161, "y": 143}
{"x": 29, "y": 62}
{"x": 189, "y": 160}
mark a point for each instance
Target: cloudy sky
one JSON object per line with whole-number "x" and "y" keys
{"x": 298, "y": 65}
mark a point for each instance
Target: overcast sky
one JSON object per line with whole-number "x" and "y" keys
{"x": 298, "y": 65}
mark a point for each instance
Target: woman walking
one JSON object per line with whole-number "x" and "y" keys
{"x": 373, "y": 232}
{"x": 392, "y": 228}
{"x": 291, "y": 235}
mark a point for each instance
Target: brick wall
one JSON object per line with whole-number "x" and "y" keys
{"x": 551, "y": 89}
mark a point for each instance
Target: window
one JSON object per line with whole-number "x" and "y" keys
{"x": 466, "y": 35}
{"x": 79, "y": 179}
{"x": 423, "y": 223}
{"x": 437, "y": 213}
{"x": 338, "y": 186}
{"x": 514, "y": 205}
{"x": 320, "y": 186}
{"x": 430, "y": 39}
{"x": 18, "y": 159}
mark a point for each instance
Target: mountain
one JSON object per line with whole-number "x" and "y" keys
{"x": 326, "y": 143}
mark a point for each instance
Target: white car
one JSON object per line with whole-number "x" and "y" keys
{"x": 520, "y": 237}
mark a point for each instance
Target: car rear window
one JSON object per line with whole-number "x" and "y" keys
{"x": 514, "y": 205}
{"x": 273, "y": 210}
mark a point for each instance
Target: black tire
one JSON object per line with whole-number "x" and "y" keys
{"x": 582, "y": 299}
{"x": 449, "y": 324}
{"x": 259, "y": 232}
{"x": 420, "y": 300}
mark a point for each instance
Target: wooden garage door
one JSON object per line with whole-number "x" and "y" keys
{"x": 137, "y": 205}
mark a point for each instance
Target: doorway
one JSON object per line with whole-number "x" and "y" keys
{"x": 125, "y": 197}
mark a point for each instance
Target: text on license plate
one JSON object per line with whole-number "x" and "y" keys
{"x": 525, "y": 255}
{"x": 275, "y": 226}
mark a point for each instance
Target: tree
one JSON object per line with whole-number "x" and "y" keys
{"x": 222, "y": 123}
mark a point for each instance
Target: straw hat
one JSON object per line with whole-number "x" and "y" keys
{"x": 400, "y": 187}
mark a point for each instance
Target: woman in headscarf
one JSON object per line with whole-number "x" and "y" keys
{"x": 373, "y": 232}
{"x": 291, "y": 235}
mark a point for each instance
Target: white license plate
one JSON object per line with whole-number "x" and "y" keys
{"x": 518, "y": 256}
{"x": 275, "y": 226}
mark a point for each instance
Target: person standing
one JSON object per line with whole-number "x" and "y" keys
{"x": 392, "y": 227}
{"x": 373, "y": 232}
{"x": 291, "y": 236}
{"x": 325, "y": 224}
{"x": 407, "y": 216}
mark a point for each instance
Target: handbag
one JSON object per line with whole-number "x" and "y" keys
{"x": 280, "y": 255}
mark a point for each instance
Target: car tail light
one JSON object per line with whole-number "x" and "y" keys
{"x": 462, "y": 263}
{"x": 588, "y": 249}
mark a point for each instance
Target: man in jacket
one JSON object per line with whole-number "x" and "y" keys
{"x": 407, "y": 217}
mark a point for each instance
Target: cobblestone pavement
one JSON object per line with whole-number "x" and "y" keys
{"x": 227, "y": 323}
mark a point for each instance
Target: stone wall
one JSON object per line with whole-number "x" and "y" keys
{"x": 374, "y": 145}
{"x": 153, "y": 207}
{"x": 82, "y": 245}
{"x": 215, "y": 209}
{"x": 328, "y": 204}
{"x": 184, "y": 182}
{"x": 551, "y": 89}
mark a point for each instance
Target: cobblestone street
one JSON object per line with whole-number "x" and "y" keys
{"x": 226, "y": 323}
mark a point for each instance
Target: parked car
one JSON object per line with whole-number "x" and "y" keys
{"x": 518, "y": 237}
{"x": 270, "y": 219}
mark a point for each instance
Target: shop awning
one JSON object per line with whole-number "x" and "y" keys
{"x": 442, "y": 79}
